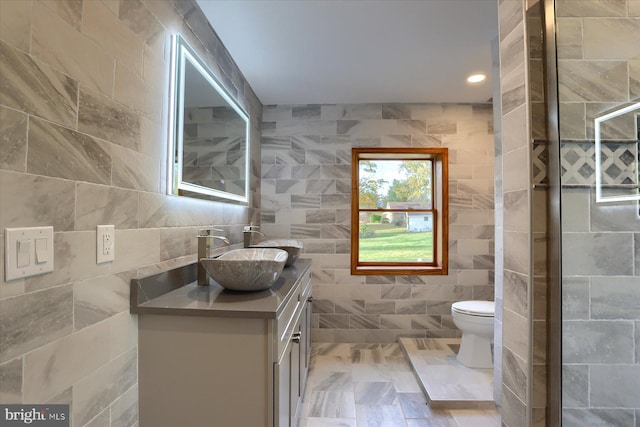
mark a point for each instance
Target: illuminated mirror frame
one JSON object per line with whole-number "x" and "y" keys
{"x": 180, "y": 53}
{"x": 600, "y": 198}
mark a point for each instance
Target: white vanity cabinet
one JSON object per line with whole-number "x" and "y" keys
{"x": 292, "y": 367}
{"x": 214, "y": 360}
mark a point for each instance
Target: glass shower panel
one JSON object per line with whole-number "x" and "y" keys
{"x": 598, "y": 52}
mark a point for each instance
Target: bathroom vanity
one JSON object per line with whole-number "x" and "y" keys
{"x": 216, "y": 358}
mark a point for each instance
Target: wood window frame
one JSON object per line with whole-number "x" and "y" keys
{"x": 440, "y": 209}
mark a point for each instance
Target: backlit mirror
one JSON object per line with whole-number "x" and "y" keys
{"x": 617, "y": 141}
{"x": 209, "y": 145}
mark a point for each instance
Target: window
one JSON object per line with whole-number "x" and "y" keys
{"x": 399, "y": 216}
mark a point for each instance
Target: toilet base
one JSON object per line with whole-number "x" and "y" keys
{"x": 475, "y": 352}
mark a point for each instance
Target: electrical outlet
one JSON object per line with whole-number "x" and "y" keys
{"x": 105, "y": 243}
{"x": 107, "y": 246}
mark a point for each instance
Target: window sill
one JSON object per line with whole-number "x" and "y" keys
{"x": 399, "y": 271}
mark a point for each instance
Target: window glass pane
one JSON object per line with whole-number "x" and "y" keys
{"x": 395, "y": 184}
{"x": 396, "y": 237}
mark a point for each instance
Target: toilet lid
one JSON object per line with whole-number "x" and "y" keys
{"x": 475, "y": 308}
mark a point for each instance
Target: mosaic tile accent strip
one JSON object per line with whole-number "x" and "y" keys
{"x": 578, "y": 163}
{"x": 620, "y": 163}
{"x": 540, "y": 161}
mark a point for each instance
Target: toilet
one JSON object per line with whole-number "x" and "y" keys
{"x": 475, "y": 320}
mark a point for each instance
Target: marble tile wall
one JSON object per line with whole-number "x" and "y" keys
{"x": 598, "y": 70}
{"x": 517, "y": 235}
{"x": 83, "y": 102}
{"x": 306, "y": 190}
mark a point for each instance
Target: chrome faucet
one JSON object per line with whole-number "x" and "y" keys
{"x": 248, "y": 234}
{"x": 205, "y": 236}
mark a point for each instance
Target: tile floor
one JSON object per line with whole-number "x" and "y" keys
{"x": 372, "y": 385}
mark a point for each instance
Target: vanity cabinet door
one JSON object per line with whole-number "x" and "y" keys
{"x": 287, "y": 385}
{"x": 290, "y": 372}
{"x": 305, "y": 347}
{"x": 282, "y": 389}
{"x": 296, "y": 362}
{"x": 307, "y": 333}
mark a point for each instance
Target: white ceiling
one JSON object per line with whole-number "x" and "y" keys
{"x": 358, "y": 51}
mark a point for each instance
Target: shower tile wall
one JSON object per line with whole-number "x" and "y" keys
{"x": 83, "y": 106}
{"x": 517, "y": 236}
{"x": 306, "y": 194}
{"x": 598, "y": 61}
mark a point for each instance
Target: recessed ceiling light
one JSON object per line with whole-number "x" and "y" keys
{"x": 476, "y": 78}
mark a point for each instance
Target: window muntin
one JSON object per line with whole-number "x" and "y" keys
{"x": 399, "y": 211}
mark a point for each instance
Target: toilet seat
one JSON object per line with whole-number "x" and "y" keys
{"x": 474, "y": 308}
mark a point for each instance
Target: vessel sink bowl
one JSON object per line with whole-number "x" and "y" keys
{"x": 250, "y": 269}
{"x": 293, "y": 247}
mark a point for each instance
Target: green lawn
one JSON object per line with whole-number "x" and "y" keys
{"x": 394, "y": 244}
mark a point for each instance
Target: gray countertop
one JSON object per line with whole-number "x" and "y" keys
{"x": 176, "y": 293}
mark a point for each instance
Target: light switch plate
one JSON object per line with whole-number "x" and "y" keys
{"x": 25, "y": 239}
